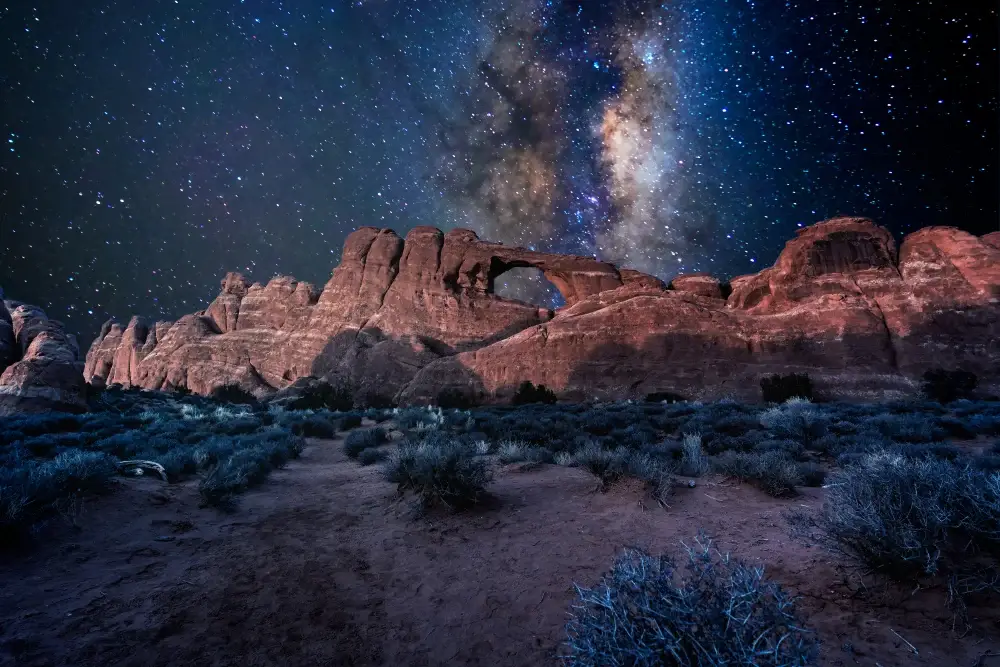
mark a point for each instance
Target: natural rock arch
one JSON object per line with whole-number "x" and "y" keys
{"x": 524, "y": 282}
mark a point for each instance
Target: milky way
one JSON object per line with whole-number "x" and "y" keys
{"x": 153, "y": 146}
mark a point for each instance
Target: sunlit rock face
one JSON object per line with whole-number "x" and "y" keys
{"x": 40, "y": 365}
{"x": 406, "y": 318}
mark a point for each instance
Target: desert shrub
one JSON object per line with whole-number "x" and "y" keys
{"x": 439, "y": 471}
{"x": 864, "y": 441}
{"x": 240, "y": 425}
{"x": 736, "y": 424}
{"x": 607, "y": 465}
{"x": 372, "y": 455}
{"x": 124, "y": 445}
{"x": 530, "y": 393}
{"x": 374, "y": 399}
{"x": 358, "y": 441}
{"x": 612, "y": 465}
{"x": 668, "y": 451}
{"x": 349, "y": 420}
{"x": 955, "y": 428}
{"x": 454, "y": 399}
{"x": 716, "y": 443}
{"x": 984, "y": 424}
{"x": 718, "y": 610}
{"x": 842, "y": 427}
{"x": 936, "y": 450}
{"x": 512, "y": 451}
{"x": 987, "y": 462}
{"x": 378, "y": 416}
{"x": 323, "y": 395}
{"x": 178, "y": 463}
{"x": 693, "y": 463}
{"x": 912, "y": 519}
{"x": 598, "y": 422}
{"x": 315, "y": 426}
{"x": 634, "y": 436}
{"x": 457, "y": 420}
{"x": 667, "y": 424}
{"x": 565, "y": 459}
{"x": 656, "y": 472}
{"x": 247, "y": 466}
{"x": 780, "y": 388}
{"x": 773, "y": 472}
{"x": 906, "y": 428}
{"x": 232, "y": 393}
{"x": 965, "y": 407}
{"x": 796, "y": 420}
{"x": 409, "y": 418}
{"x": 791, "y": 448}
{"x": 211, "y": 451}
{"x": 664, "y": 397}
{"x": 945, "y": 386}
{"x": 31, "y": 490}
{"x": 812, "y": 474}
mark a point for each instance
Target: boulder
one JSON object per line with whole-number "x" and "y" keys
{"x": 40, "y": 362}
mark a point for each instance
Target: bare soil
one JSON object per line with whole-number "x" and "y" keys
{"x": 323, "y": 566}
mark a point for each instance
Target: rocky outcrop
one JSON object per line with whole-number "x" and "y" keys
{"x": 407, "y": 319}
{"x": 40, "y": 362}
{"x": 701, "y": 284}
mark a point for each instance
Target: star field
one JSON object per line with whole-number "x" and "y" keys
{"x": 151, "y": 147}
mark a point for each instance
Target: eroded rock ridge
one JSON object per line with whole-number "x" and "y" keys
{"x": 40, "y": 365}
{"x": 406, "y": 319}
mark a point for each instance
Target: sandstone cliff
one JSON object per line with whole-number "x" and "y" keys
{"x": 406, "y": 319}
{"x": 40, "y": 366}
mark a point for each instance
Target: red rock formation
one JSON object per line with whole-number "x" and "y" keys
{"x": 40, "y": 362}
{"x": 408, "y": 319}
{"x": 701, "y": 284}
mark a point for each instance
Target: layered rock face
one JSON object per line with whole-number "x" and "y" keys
{"x": 40, "y": 365}
{"x": 407, "y": 319}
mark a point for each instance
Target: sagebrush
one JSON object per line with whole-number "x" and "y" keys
{"x": 717, "y": 611}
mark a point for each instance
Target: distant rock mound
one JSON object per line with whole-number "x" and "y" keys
{"x": 40, "y": 366}
{"x": 403, "y": 320}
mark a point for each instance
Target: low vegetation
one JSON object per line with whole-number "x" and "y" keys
{"x": 901, "y": 499}
{"x": 440, "y": 471}
{"x": 358, "y": 441}
{"x": 717, "y": 610}
{"x": 247, "y": 464}
{"x": 49, "y": 462}
{"x": 945, "y": 386}
{"x": 530, "y": 393}
{"x": 233, "y": 393}
{"x": 454, "y": 399}
{"x": 918, "y": 520}
{"x": 780, "y": 388}
{"x": 322, "y": 395}
{"x": 773, "y": 471}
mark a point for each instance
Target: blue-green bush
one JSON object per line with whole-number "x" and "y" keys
{"x": 646, "y": 611}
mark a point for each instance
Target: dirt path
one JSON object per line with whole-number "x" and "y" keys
{"x": 322, "y": 567}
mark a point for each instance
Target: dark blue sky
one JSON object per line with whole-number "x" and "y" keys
{"x": 150, "y": 147}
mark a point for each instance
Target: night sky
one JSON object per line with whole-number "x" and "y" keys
{"x": 152, "y": 146}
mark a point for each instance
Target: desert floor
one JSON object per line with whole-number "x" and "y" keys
{"x": 322, "y": 565}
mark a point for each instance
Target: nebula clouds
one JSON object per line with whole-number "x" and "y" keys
{"x": 567, "y": 140}
{"x": 503, "y": 156}
{"x": 639, "y": 153}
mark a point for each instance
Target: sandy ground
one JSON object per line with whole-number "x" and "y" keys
{"x": 321, "y": 566}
